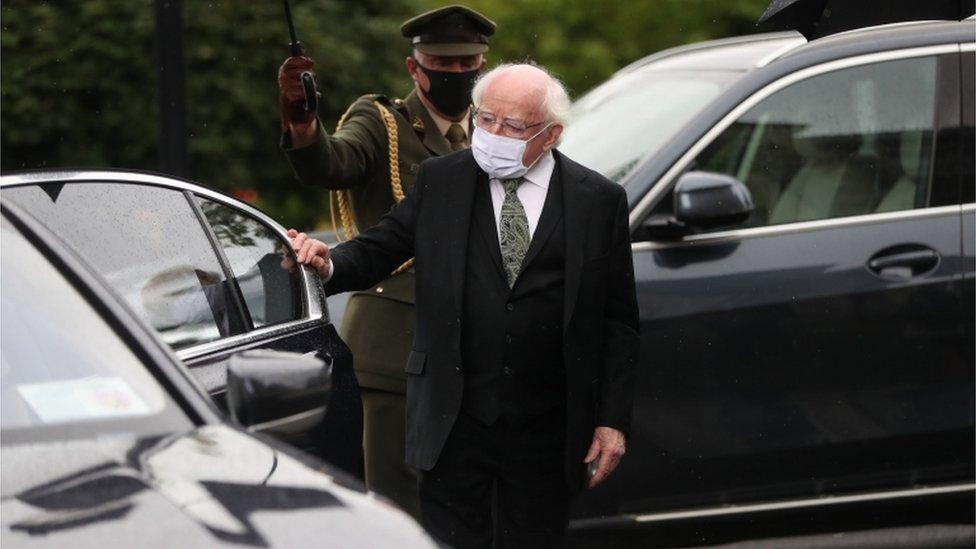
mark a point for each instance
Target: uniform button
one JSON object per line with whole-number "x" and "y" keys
{"x": 379, "y": 289}
{"x": 507, "y": 371}
{"x": 458, "y": 368}
{"x": 508, "y": 338}
{"x": 509, "y": 306}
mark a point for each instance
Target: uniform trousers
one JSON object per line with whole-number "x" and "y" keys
{"x": 501, "y": 485}
{"x": 384, "y": 414}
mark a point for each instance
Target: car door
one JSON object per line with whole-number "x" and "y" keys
{"x": 820, "y": 347}
{"x": 212, "y": 276}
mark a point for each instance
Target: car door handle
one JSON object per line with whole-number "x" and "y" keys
{"x": 904, "y": 262}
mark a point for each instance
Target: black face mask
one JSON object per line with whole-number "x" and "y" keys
{"x": 450, "y": 92}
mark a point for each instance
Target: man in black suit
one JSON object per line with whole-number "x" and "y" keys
{"x": 522, "y": 368}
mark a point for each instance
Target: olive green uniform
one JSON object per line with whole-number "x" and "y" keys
{"x": 378, "y": 324}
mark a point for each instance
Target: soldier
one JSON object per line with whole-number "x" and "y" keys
{"x": 371, "y": 160}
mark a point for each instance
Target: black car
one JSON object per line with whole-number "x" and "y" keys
{"x": 209, "y": 274}
{"x": 107, "y": 438}
{"x": 802, "y": 217}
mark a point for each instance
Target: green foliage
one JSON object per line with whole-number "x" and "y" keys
{"x": 78, "y": 85}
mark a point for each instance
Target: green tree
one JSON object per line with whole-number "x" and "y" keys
{"x": 78, "y": 86}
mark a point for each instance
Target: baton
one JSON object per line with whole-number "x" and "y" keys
{"x": 308, "y": 81}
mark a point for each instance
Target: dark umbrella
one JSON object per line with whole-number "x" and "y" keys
{"x": 816, "y": 18}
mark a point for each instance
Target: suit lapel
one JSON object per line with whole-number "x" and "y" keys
{"x": 575, "y": 226}
{"x": 460, "y": 189}
{"x": 425, "y": 126}
{"x": 484, "y": 217}
{"x": 552, "y": 211}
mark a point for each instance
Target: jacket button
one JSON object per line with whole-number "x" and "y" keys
{"x": 508, "y": 338}
{"x": 507, "y": 371}
{"x": 509, "y": 307}
{"x": 459, "y": 369}
{"x": 379, "y": 289}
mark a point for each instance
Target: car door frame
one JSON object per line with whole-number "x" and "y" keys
{"x": 315, "y": 310}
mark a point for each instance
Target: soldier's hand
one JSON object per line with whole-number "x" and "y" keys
{"x": 292, "y": 95}
{"x": 311, "y": 252}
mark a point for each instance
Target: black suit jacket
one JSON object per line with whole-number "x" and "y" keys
{"x": 599, "y": 311}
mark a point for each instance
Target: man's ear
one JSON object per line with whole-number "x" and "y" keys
{"x": 552, "y": 139}
{"x": 411, "y": 64}
{"x": 483, "y": 65}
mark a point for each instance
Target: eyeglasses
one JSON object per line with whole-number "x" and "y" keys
{"x": 511, "y": 127}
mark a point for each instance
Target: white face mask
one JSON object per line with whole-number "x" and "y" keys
{"x": 499, "y": 156}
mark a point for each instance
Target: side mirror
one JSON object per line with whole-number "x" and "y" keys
{"x": 704, "y": 200}
{"x": 273, "y": 390}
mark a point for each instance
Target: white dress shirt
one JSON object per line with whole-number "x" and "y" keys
{"x": 532, "y": 193}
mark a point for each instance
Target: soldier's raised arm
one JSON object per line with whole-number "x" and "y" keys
{"x": 346, "y": 159}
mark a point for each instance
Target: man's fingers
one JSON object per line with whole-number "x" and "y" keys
{"x": 320, "y": 249}
{"x": 297, "y": 242}
{"x": 602, "y": 470}
{"x": 292, "y": 233}
{"x": 311, "y": 249}
{"x": 299, "y": 63}
{"x": 307, "y": 253}
{"x": 594, "y": 451}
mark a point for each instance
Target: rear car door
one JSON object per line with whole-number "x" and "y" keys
{"x": 821, "y": 347}
{"x": 212, "y": 276}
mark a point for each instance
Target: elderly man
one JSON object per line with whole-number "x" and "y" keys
{"x": 370, "y": 171}
{"x": 522, "y": 366}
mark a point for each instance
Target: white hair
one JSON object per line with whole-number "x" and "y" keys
{"x": 556, "y": 102}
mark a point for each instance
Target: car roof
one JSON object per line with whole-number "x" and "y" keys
{"x": 890, "y": 36}
{"x": 749, "y": 52}
{"x": 738, "y": 53}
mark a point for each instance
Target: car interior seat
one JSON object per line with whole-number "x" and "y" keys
{"x": 902, "y": 194}
{"x": 832, "y": 182}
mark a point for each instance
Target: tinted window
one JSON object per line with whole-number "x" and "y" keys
{"x": 149, "y": 245}
{"x": 60, "y": 363}
{"x": 627, "y": 119}
{"x": 263, "y": 264}
{"x": 848, "y": 142}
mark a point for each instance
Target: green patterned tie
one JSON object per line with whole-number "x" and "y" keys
{"x": 514, "y": 230}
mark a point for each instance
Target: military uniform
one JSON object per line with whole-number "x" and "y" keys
{"x": 378, "y": 324}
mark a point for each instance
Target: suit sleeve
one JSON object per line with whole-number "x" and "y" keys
{"x": 370, "y": 257}
{"x": 621, "y": 337}
{"x": 346, "y": 159}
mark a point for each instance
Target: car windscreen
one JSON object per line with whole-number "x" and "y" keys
{"x": 632, "y": 115}
{"x": 64, "y": 372}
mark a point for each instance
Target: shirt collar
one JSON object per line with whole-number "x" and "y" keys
{"x": 444, "y": 124}
{"x": 541, "y": 172}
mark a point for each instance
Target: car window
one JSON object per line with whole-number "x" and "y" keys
{"x": 148, "y": 244}
{"x": 60, "y": 362}
{"x": 262, "y": 263}
{"x": 628, "y": 118}
{"x": 848, "y": 142}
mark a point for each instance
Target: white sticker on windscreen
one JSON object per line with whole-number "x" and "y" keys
{"x": 81, "y": 399}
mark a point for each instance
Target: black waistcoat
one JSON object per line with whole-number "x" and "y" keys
{"x": 511, "y": 343}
